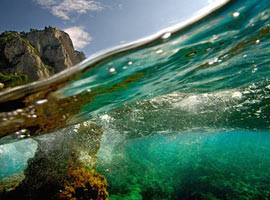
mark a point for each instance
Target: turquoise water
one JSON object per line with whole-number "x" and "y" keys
{"x": 13, "y": 157}
{"x": 201, "y": 165}
{"x": 185, "y": 112}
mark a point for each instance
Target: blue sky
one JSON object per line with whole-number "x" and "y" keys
{"x": 95, "y": 25}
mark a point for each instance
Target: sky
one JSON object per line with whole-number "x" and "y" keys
{"x": 95, "y": 25}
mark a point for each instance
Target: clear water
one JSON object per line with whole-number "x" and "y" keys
{"x": 223, "y": 165}
{"x": 185, "y": 113}
{"x": 13, "y": 157}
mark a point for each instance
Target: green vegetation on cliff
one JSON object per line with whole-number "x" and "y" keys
{"x": 13, "y": 80}
{"x": 5, "y": 37}
{"x": 36, "y": 55}
{"x": 8, "y": 36}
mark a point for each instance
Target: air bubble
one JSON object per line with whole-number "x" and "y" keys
{"x": 112, "y": 70}
{"x": 254, "y": 69}
{"x": 22, "y": 133}
{"x": 211, "y": 62}
{"x": 159, "y": 51}
{"x": 166, "y": 35}
{"x": 23, "y": 130}
{"x": 41, "y": 101}
{"x": 236, "y": 14}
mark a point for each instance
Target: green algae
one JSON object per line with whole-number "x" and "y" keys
{"x": 13, "y": 80}
{"x": 230, "y": 165}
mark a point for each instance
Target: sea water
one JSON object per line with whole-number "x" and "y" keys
{"x": 186, "y": 112}
{"x": 200, "y": 165}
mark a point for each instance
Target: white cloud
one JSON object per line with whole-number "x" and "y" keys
{"x": 65, "y": 8}
{"x": 79, "y": 36}
{"x": 45, "y": 3}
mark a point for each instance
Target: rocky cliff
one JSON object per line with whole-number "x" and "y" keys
{"x": 28, "y": 57}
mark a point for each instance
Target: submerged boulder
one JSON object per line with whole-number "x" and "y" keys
{"x": 60, "y": 169}
{"x": 83, "y": 183}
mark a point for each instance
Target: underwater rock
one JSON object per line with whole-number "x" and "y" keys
{"x": 58, "y": 161}
{"x": 11, "y": 182}
{"x": 83, "y": 183}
